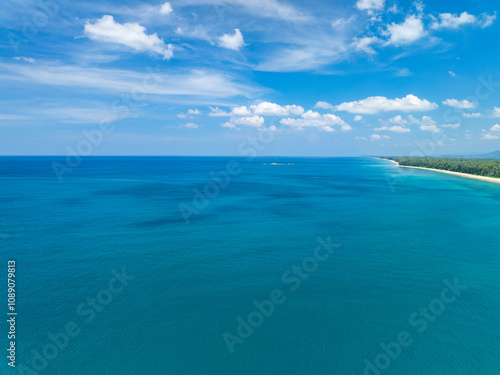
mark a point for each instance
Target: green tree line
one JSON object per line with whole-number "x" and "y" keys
{"x": 480, "y": 167}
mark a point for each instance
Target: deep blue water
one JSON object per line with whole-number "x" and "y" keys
{"x": 399, "y": 235}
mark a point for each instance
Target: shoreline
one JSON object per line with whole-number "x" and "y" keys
{"x": 494, "y": 180}
{"x": 392, "y": 161}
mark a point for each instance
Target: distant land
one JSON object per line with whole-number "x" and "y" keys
{"x": 485, "y": 169}
{"x": 489, "y": 155}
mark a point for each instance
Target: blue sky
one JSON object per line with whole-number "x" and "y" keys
{"x": 202, "y": 77}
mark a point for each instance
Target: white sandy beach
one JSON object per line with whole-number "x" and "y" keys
{"x": 465, "y": 175}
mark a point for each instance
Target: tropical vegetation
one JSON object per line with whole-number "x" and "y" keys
{"x": 480, "y": 167}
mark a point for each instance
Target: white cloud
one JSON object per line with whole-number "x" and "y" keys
{"x": 273, "y": 109}
{"x": 376, "y": 137}
{"x": 361, "y": 138}
{"x": 376, "y": 104}
{"x": 358, "y": 118}
{"x": 166, "y": 8}
{"x": 398, "y": 120}
{"x": 340, "y": 23}
{"x": 261, "y": 8}
{"x": 450, "y": 126}
{"x": 184, "y": 86}
{"x": 365, "y": 44}
{"x": 495, "y": 128}
{"x": 234, "y": 42}
{"x": 496, "y": 112}
{"x": 427, "y": 124}
{"x": 190, "y": 113}
{"x": 254, "y": 121}
{"x": 452, "y": 73}
{"x": 453, "y": 21}
{"x": 472, "y": 115}
{"x": 131, "y": 35}
{"x": 393, "y": 9}
{"x": 487, "y": 19}
{"x": 86, "y": 115}
{"x": 261, "y": 109}
{"x": 229, "y": 125}
{"x": 395, "y": 129}
{"x": 468, "y": 135}
{"x": 489, "y": 136}
{"x": 463, "y": 104}
{"x": 216, "y": 112}
{"x": 408, "y": 32}
{"x": 241, "y": 111}
{"x": 419, "y": 6}
{"x": 323, "y": 105}
{"x": 27, "y": 59}
{"x": 370, "y": 5}
{"x": 315, "y": 119}
{"x": 191, "y": 125}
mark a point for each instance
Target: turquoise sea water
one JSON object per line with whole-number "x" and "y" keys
{"x": 402, "y": 237}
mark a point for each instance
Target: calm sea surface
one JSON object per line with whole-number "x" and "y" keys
{"x": 277, "y": 266}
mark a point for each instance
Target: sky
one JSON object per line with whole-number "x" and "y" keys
{"x": 220, "y": 77}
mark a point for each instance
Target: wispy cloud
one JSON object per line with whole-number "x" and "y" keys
{"x": 196, "y": 83}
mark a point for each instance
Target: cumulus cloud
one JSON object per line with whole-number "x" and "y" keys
{"x": 398, "y": 120}
{"x": 496, "y": 112}
{"x": 395, "y": 129}
{"x": 166, "y": 8}
{"x": 132, "y": 35}
{"x": 241, "y": 111}
{"x": 234, "y": 42}
{"x": 495, "y": 128}
{"x": 190, "y": 113}
{"x": 273, "y": 109}
{"x": 358, "y": 118}
{"x": 377, "y": 104}
{"x": 252, "y": 121}
{"x": 427, "y": 124}
{"x": 262, "y": 109}
{"x": 407, "y": 32}
{"x": 317, "y": 120}
{"x": 463, "y": 104}
{"x": 323, "y": 105}
{"x": 217, "y": 112}
{"x": 370, "y": 5}
{"x": 488, "y": 136}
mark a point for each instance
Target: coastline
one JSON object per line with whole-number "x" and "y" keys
{"x": 392, "y": 161}
{"x": 459, "y": 174}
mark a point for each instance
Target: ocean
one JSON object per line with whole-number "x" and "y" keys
{"x": 186, "y": 265}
